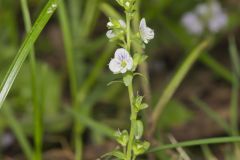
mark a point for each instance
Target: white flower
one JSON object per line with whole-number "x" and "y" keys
{"x": 122, "y": 62}
{"x": 110, "y": 34}
{"x": 192, "y": 23}
{"x": 110, "y": 24}
{"x": 146, "y": 33}
{"x": 122, "y": 23}
{"x": 218, "y": 22}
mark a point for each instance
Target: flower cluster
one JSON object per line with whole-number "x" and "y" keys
{"x": 207, "y": 16}
{"x": 122, "y": 61}
{"x": 125, "y": 62}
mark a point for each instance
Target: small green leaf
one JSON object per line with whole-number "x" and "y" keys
{"x": 116, "y": 154}
{"x": 140, "y": 147}
{"x": 127, "y": 79}
{"x": 138, "y": 105}
{"x": 144, "y": 106}
{"x": 138, "y": 129}
{"x": 122, "y": 137}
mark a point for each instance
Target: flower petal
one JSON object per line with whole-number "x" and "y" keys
{"x": 122, "y": 23}
{"x": 115, "y": 66}
{"x": 121, "y": 54}
{"x": 110, "y": 34}
{"x": 129, "y": 62}
{"x": 146, "y": 33}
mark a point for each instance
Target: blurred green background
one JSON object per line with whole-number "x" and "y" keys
{"x": 105, "y": 108}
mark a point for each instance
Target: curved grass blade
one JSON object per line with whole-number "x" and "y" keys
{"x": 197, "y": 143}
{"x": 25, "y": 48}
{"x": 176, "y": 80}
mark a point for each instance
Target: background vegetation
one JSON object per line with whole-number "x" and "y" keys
{"x": 59, "y": 106}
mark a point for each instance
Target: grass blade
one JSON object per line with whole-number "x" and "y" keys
{"x": 212, "y": 114}
{"x": 197, "y": 143}
{"x": 216, "y": 67}
{"x": 25, "y": 48}
{"x": 176, "y": 80}
{"x": 17, "y": 130}
{"x": 207, "y": 153}
{"x": 35, "y": 90}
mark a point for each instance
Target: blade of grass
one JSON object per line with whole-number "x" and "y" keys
{"x": 235, "y": 92}
{"x": 235, "y": 85}
{"x": 92, "y": 124}
{"x": 236, "y": 74}
{"x": 207, "y": 153}
{"x": 68, "y": 45}
{"x": 234, "y": 55}
{"x": 212, "y": 114}
{"x": 16, "y": 128}
{"x": 90, "y": 15}
{"x": 35, "y": 91}
{"x": 216, "y": 67}
{"x": 75, "y": 7}
{"x": 109, "y": 11}
{"x": 25, "y": 48}
{"x": 176, "y": 80}
{"x": 197, "y": 143}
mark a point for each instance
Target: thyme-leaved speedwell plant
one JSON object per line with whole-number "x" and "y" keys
{"x": 125, "y": 62}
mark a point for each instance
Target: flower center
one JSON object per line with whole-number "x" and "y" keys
{"x": 123, "y": 64}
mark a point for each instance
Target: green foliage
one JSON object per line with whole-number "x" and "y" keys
{"x": 175, "y": 114}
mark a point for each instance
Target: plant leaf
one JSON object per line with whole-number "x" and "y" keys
{"x": 116, "y": 154}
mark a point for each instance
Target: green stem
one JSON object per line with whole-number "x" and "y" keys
{"x": 131, "y": 94}
{"x": 133, "y": 120}
{"x": 72, "y": 76}
{"x": 35, "y": 95}
{"x": 128, "y": 18}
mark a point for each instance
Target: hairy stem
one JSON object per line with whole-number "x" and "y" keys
{"x": 131, "y": 94}
{"x": 133, "y": 120}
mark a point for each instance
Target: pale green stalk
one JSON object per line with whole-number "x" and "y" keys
{"x": 143, "y": 68}
{"x": 235, "y": 92}
{"x": 235, "y": 85}
{"x": 35, "y": 92}
{"x": 68, "y": 44}
{"x": 133, "y": 121}
{"x": 207, "y": 153}
{"x": 131, "y": 94}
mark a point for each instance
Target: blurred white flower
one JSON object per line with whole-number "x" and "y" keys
{"x": 192, "y": 23}
{"x": 122, "y": 23}
{"x": 122, "y": 61}
{"x": 110, "y": 34}
{"x": 218, "y": 22}
{"x": 146, "y": 33}
{"x": 208, "y": 16}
